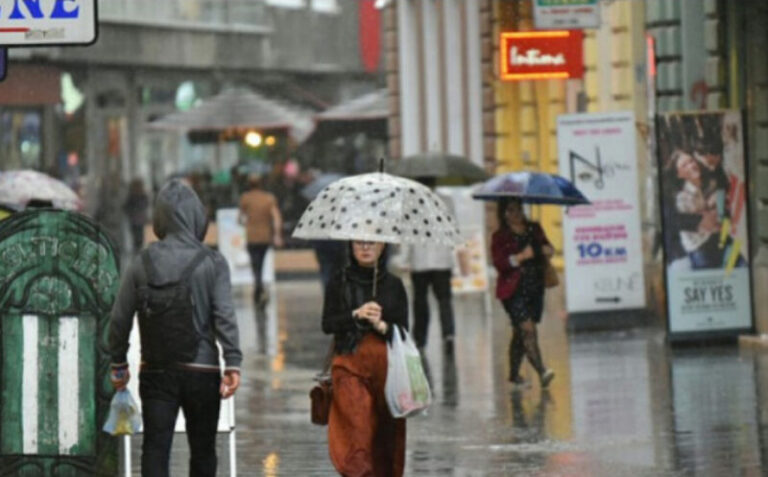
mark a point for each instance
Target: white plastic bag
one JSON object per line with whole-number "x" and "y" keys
{"x": 124, "y": 418}
{"x": 407, "y": 389}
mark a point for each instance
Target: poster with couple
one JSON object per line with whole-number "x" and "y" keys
{"x": 705, "y": 217}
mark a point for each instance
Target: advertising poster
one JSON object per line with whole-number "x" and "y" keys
{"x": 232, "y": 245}
{"x": 470, "y": 268}
{"x": 704, "y": 212}
{"x": 602, "y": 241}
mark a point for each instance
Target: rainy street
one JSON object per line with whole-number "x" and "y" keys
{"x": 622, "y": 403}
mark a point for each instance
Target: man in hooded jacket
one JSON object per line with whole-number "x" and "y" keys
{"x": 196, "y": 387}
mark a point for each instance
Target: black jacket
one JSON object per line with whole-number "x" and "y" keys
{"x": 350, "y": 288}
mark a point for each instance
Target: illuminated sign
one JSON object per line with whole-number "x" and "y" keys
{"x": 566, "y": 14}
{"x": 47, "y": 22}
{"x": 536, "y": 55}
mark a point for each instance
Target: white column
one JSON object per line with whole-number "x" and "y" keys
{"x": 454, "y": 77}
{"x": 409, "y": 76}
{"x": 433, "y": 82}
{"x": 474, "y": 83}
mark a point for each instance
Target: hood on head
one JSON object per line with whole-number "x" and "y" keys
{"x": 179, "y": 210}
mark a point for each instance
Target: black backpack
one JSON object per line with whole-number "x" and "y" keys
{"x": 166, "y": 317}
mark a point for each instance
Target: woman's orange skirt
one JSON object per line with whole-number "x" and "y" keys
{"x": 363, "y": 437}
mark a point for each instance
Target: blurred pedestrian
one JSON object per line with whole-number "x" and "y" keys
{"x": 136, "y": 207}
{"x": 520, "y": 250}
{"x": 263, "y": 222}
{"x": 181, "y": 292}
{"x": 430, "y": 265}
{"x": 330, "y": 256}
{"x": 363, "y": 437}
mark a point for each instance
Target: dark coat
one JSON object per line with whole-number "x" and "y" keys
{"x": 348, "y": 290}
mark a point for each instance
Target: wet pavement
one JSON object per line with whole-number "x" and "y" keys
{"x": 621, "y": 404}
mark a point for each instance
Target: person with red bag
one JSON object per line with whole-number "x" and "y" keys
{"x": 520, "y": 252}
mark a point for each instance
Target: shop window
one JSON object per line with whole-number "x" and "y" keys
{"x": 20, "y": 139}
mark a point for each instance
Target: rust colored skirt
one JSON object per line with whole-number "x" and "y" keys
{"x": 363, "y": 437}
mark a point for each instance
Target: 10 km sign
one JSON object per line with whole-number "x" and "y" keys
{"x": 47, "y": 22}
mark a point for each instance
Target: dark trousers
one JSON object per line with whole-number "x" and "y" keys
{"x": 257, "y": 251}
{"x": 440, "y": 280}
{"x": 162, "y": 393}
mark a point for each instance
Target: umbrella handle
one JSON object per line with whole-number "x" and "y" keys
{"x": 375, "y": 277}
{"x": 381, "y": 167}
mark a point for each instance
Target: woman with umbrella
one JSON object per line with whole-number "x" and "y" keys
{"x": 520, "y": 252}
{"x": 363, "y": 305}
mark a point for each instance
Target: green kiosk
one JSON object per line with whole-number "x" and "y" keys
{"x": 59, "y": 276}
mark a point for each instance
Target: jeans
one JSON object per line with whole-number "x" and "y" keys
{"x": 162, "y": 393}
{"x": 257, "y": 251}
{"x": 440, "y": 280}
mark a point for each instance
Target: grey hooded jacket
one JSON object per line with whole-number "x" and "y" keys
{"x": 179, "y": 222}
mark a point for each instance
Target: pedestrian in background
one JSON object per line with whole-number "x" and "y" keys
{"x": 363, "y": 437}
{"x": 181, "y": 292}
{"x": 263, "y": 222}
{"x": 430, "y": 265}
{"x": 520, "y": 249}
{"x": 136, "y": 207}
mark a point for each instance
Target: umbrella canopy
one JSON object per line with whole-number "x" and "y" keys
{"x": 314, "y": 188}
{"x": 439, "y": 165}
{"x": 378, "y": 207}
{"x": 18, "y": 188}
{"x": 367, "y": 107}
{"x": 238, "y": 109}
{"x": 531, "y": 188}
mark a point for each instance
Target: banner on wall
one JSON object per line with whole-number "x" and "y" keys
{"x": 602, "y": 242}
{"x": 704, "y": 206}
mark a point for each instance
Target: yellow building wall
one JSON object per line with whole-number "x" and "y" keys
{"x": 527, "y": 111}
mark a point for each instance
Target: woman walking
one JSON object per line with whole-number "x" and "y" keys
{"x": 520, "y": 250}
{"x": 363, "y": 303}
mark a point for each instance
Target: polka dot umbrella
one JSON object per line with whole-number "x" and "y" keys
{"x": 378, "y": 207}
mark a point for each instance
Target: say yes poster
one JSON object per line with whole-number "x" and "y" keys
{"x": 601, "y": 241}
{"x": 704, "y": 206}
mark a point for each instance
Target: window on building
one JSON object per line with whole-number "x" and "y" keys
{"x": 287, "y": 3}
{"x": 325, "y": 6}
{"x": 21, "y": 144}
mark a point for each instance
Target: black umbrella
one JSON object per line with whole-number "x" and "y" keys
{"x": 439, "y": 165}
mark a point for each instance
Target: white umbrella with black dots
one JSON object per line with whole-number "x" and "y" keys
{"x": 378, "y": 207}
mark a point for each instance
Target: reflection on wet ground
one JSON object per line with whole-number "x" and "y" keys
{"x": 622, "y": 403}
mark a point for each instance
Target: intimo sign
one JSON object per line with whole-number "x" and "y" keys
{"x": 47, "y": 22}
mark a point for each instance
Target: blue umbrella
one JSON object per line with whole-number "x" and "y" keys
{"x": 531, "y": 188}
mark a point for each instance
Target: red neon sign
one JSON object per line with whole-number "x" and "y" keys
{"x": 536, "y": 55}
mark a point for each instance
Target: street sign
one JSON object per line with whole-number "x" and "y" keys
{"x": 3, "y": 63}
{"x": 566, "y": 14}
{"x": 47, "y": 22}
{"x": 539, "y": 55}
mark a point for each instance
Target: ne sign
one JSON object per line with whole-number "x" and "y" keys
{"x": 47, "y": 22}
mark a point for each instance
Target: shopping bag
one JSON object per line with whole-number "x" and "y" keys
{"x": 407, "y": 389}
{"x": 123, "y": 415}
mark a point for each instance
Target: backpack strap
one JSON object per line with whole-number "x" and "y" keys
{"x": 196, "y": 261}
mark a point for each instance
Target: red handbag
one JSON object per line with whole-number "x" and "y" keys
{"x": 321, "y": 396}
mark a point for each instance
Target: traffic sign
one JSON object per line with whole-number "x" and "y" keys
{"x": 47, "y": 22}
